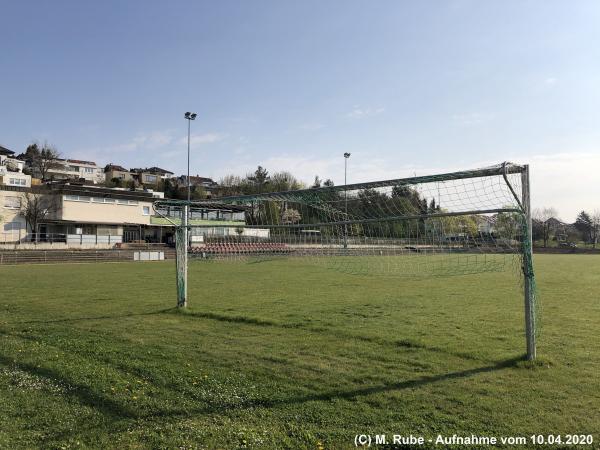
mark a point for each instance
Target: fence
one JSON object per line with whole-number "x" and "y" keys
{"x": 70, "y": 256}
{"x": 51, "y": 238}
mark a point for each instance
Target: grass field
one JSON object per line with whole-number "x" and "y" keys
{"x": 284, "y": 354}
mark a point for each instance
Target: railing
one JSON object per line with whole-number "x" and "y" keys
{"x": 50, "y": 238}
{"x": 10, "y": 257}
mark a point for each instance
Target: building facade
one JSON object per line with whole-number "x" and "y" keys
{"x": 13, "y": 227}
{"x": 114, "y": 172}
{"x": 11, "y": 170}
{"x": 151, "y": 175}
{"x": 75, "y": 169}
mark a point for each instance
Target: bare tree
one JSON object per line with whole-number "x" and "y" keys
{"x": 42, "y": 158}
{"x": 36, "y": 208}
{"x": 542, "y": 223}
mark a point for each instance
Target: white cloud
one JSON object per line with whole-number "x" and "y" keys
{"x": 361, "y": 113}
{"x": 550, "y": 81}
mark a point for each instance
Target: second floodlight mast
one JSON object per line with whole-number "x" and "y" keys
{"x": 181, "y": 237}
{"x": 346, "y": 156}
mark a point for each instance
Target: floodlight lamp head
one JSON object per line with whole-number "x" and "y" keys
{"x": 193, "y": 116}
{"x": 187, "y": 115}
{"x": 346, "y": 155}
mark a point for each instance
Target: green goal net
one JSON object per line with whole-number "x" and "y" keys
{"x": 447, "y": 224}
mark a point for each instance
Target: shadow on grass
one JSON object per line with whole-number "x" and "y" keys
{"x": 405, "y": 343}
{"x": 112, "y": 316}
{"x": 83, "y": 394}
{"x": 347, "y": 394}
{"x": 418, "y": 382}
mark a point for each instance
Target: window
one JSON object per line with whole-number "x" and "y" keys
{"x": 12, "y": 202}
{"x": 151, "y": 178}
{"x": 89, "y": 170}
{"x": 109, "y": 200}
{"x": 132, "y": 202}
{"x": 97, "y": 200}
{"x": 146, "y": 210}
{"x": 17, "y": 181}
{"x": 13, "y": 226}
{"x": 122, "y": 202}
{"x": 77, "y": 198}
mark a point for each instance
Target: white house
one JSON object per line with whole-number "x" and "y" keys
{"x": 77, "y": 169}
{"x": 11, "y": 170}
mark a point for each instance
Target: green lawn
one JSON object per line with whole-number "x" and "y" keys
{"x": 286, "y": 354}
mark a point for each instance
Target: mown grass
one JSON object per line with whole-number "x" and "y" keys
{"x": 286, "y": 354}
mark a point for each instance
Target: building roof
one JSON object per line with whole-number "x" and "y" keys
{"x": 79, "y": 161}
{"x": 153, "y": 170}
{"x": 5, "y": 151}
{"x": 198, "y": 179}
{"x": 98, "y": 191}
{"x": 115, "y": 167}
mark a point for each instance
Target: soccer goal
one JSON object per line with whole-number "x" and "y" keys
{"x": 448, "y": 224}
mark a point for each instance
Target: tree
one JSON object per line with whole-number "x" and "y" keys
{"x": 114, "y": 182}
{"x": 589, "y": 225}
{"x": 595, "y": 226}
{"x": 508, "y": 226}
{"x": 317, "y": 182}
{"x": 36, "y": 208}
{"x": 290, "y": 216}
{"x": 284, "y": 181}
{"x": 542, "y": 225}
{"x": 583, "y": 223}
{"x": 133, "y": 184}
{"x": 259, "y": 178}
{"x": 328, "y": 183}
{"x": 41, "y": 158}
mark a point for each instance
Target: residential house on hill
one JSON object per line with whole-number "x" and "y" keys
{"x": 151, "y": 175}
{"x": 11, "y": 170}
{"x": 208, "y": 184}
{"x": 75, "y": 169}
{"x": 113, "y": 171}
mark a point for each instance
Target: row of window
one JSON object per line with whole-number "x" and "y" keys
{"x": 85, "y": 169}
{"x": 11, "y": 227}
{"x": 12, "y": 202}
{"x": 112, "y": 201}
{"x": 17, "y": 181}
{"x": 84, "y": 198}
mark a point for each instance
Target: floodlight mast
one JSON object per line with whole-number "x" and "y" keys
{"x": 346, "y": 156}
{"x": 189, "y": 116}
{"x": 182, "y": 239}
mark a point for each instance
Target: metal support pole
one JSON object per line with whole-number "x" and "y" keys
{"x": 181, "y": 262}
{"x": 189, "y": 188}
{"x": 346, "y": 199}
{"x": 528, "y": 268}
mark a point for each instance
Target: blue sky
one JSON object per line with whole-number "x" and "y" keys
{"x": 404, "y": 86}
